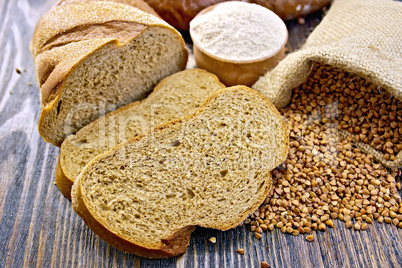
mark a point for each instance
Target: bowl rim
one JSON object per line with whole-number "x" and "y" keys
{"x": 272, "y": 54}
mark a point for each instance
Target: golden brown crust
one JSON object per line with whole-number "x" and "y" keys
{"x": 62, "y": 181}
{"x": 179, "y": 241}
{"x": 72, "y": 23}
{"x": 51, "y": 90}
{"x": 119, "y": 30}
{"x": 172, "y": 246}
{"x": 140, "y": 4}
{"x": 63, "y": 18}
{"x": 67, "y": 34}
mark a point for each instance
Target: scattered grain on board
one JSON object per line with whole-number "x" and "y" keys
{"x": 310, "y": 238}
{"x": 212, "y": 240}
{"x": 301, "y": 20}
{"x": 18, "y": 71}
{"x": 265, "y": 264}
{"x": 325, "y": 176}
{"x": 240, "y": 251}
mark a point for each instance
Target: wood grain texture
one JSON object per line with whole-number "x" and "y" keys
{"x": 38, "y": 227}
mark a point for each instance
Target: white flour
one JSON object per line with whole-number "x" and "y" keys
{"x": 239, "y": 31}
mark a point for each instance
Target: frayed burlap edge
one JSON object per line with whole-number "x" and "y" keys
{"x": 377, "y": 155}
{"x": 358, "y": 36}
{"x": 279, "y": 98}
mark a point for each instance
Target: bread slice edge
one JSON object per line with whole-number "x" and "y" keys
{"x": 175, "y": 245}
{"x": 65, "y": 180}
{"x": 80, "y": 202}
{"x": 49, "y": 108}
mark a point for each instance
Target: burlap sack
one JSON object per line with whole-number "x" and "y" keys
{"x": 363, "y": 37}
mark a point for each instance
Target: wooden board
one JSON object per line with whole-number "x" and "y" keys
{"x": 38, "y": 227}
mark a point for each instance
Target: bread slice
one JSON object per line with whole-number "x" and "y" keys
{"x": 209, "y": 169}
{"x": 92, "y": 58}
{"x": 176, "y": 96}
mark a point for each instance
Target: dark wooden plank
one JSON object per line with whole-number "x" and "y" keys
{"x": 38, "y": 227}
{"x": 299, "y": 32}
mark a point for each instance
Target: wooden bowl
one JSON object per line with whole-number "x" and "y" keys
{"x": 237, "y": 72}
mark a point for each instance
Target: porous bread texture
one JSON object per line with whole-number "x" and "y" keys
{"x": 92, "y": 66}
{"x": 209, "y": 169}
{"x": 109, "y": 78}
{"x": 175, "y": 96}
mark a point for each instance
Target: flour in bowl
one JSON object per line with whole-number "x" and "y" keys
{"x": 239, "y": 31}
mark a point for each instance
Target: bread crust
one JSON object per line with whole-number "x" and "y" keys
{"x": 62, "y": 181}
{"x": 50, "y": 26}
{"x": 179, "y": 13}
{"x": 80, "y": 201}
{"x": 57, "y": 64}
{"x": 174, "y": 245}
{"x": 69, "y": 16}
{"x": 140, "y": 4}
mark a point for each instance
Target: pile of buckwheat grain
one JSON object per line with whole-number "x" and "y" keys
{"x": 325, "y": 176}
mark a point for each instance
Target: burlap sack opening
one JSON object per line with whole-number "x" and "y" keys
{"x": 363, "y": 37}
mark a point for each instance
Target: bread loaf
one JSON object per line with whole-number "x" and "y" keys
{"x": 91, "y": 58}
{"x": 175, "y": 96}
{"x": 210, "y": 169}
{"x": 179, "y": 13}
{"x": 140, "y": 4}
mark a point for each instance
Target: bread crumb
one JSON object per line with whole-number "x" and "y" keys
{"x": 18, "y": 71}
{"x": 11, "y": 93}
{"x": 212, "y": 240}
{"x": 240, "y": 251}
{"x": 29, "y": 84}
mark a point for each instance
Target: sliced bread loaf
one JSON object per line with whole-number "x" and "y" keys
{"x": 175, "y": 96}
{"x": 210, "y": 169}
{"x": 91, "y": 58}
